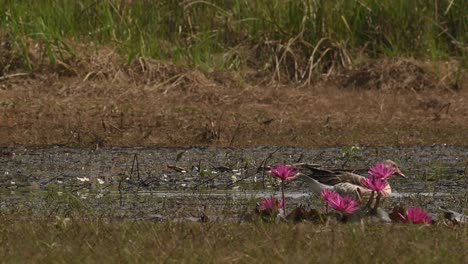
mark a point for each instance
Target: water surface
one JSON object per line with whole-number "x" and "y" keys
{"x": 137, "y": 182}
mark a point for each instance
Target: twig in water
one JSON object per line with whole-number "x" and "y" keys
{"x": 135, "y": 162}
{"x": 262, "y": 165}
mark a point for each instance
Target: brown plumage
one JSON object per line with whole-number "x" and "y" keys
{"x": 344, "y": 182}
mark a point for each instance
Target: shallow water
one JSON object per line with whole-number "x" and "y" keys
{"x": 137, "y": 183}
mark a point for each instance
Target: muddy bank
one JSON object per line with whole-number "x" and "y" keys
{"x": 383, "y": 102}
{"x": 137, "y": 182}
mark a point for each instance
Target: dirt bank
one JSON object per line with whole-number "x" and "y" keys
{"x": 99, "y": 102}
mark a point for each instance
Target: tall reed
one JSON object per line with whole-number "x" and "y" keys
{"x": 297, "y": 36}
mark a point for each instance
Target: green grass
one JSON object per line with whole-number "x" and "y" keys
{"x": 78, "y": 241}
{"x": 300, "y": 38}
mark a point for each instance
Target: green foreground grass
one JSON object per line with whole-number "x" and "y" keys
{"x": 135, "y": 242}
{"x": 301, "y": 38}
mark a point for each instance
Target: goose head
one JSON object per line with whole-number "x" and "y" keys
{"x": 391, "y": 164}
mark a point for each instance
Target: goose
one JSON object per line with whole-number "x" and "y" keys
{"x": 343, "y": 182}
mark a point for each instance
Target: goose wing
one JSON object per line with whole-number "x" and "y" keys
{"x": 333, "y": 177}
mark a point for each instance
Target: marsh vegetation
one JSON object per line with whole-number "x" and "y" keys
{"x": 372, "y": 80}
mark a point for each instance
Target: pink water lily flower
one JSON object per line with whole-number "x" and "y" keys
{"x": 269, "y": 205}
{"x": 283, "y": 172}
{"x": 380, "y": 170}
{"x": 375, "y": 184}
{"x": 346, "y": 205}
{"x": 416, "y": 215}
{"x": 328, "y": 194}
{"x": 332, "y": 197}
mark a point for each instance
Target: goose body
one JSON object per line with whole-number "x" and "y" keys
{"x": 343, "y": 182}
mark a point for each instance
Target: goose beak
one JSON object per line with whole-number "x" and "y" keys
{"x": 399, "y": 173}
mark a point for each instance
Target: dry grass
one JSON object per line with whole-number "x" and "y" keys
{"x": 91, "y": 74}
{"x": 99, "y": 99}
{"x": 87, "y": 241}
{"x": 150, "y": 103}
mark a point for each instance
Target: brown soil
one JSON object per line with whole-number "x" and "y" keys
{"x": 97, "y": 101}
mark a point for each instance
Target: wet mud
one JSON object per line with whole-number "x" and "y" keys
{"x": 163, "y": 184}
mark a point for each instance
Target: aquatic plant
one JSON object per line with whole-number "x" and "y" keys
{"x": 270, "y": 206}
{"x": 377, "y": 180}
{"x": 349, "y": 153}
{"x": 416, "y": 215}
{"x": 380, "y": 170}
{"x": 375, "y": 184}
{"x": 283, "y": 172}
{"x": 345, "y": 205}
